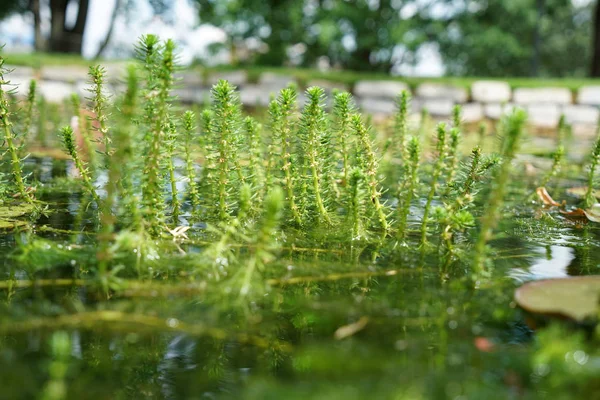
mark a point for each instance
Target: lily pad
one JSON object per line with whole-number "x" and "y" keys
{"x": 580, "y": 192}
{"x": 575, "y": 298}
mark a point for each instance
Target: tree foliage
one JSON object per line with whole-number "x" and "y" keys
{"x": 514, "y": 37}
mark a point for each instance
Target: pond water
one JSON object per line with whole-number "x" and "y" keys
{"x": 335, "y": 324}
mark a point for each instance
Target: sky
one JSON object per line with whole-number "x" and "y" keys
{"x": 191, "y": 37}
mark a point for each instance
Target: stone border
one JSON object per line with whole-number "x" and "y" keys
{"x": 486, "y": 99}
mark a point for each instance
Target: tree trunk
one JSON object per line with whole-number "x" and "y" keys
{"x": 595, "y": 70}
{"x": 111, "y": 27}
{"x": 39, "y": 40}
{"x": 63, "y": 39}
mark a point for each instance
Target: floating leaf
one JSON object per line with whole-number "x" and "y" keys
{"x": 546, "y": 198}
{"x": 581, "y": 191}
{"x": 575, "y": 298}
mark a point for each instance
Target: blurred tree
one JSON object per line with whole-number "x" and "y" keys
{"x": 355, "y": 34}
{"x": 67, "y": 36}
{"x": 365, "y": 34}
{"x": 277, "y": 23}
{"x": 512, "y": 37}
{"x": 595, "y": 68}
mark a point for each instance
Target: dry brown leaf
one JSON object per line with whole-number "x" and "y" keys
{"x": 546, "y": 198}
{"x": 348, "y": 330}
{"x": 574, "y": 213}
{"x": 592, "y": 214}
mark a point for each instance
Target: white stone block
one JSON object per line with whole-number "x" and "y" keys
{"x": 276, "y": 82}
{"x": 496, "y": 111}
{"x": 376, "y": 105}
{"x": 236, "y": 78}
{"x": 20, "y": 71}
{"x": 379, "y": 89}
{"x": 472, "y": 112}
{"x": 490, "y": 91}
{"x": 19, "y": 84}
{"x": 437, "y": 108}
{"x": 542, "y": 96}
{"x": 581, "y": 114}
{"x": 55, "y": 92}
{"x": 543, "y": 115}
{"x": 70, "y": 74}
{"x": 328, "y": 86}
{"x": 256, "y": 95}
{"x": 438, "y": 91}
{"x": 589, "y": 95}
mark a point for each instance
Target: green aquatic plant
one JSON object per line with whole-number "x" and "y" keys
{"x": 125, "y": 153}
{"x": 10, "y": 140}
{"x": 72, "y": 150}
{"x": 107, "y": 219}
{"x": 171, "y": 150}
{"x": 437, "y": 170}
{"x": 264, "y": 244}
{"x": 280, "y": 113}
{"x": 370, "y": 166}
{"x": 225, "y": 131}
{"x": 452, "y": 155}
{"x": 401, "y": 126}
{"x": 343, "y": 108}
{"x": 455, "y": 216}
{"x": 558, "y": 155}
{"x": 252, "y": 130}
{"x": 512, "y": 128}
{"x": 29, "y": 111}
{"x": 58, "y": 368}
{"x": 589, "y": 198}
{"x": 83, "y": 127}
{"x": 356, "y": 203}
{"x": 313, "y": 125}
{"x": 409, "y": 188}
{"x": 190, "y": 128}
{"x": 159, "y": 65}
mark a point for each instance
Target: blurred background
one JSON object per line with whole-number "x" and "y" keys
{"x": 538, "y": 38}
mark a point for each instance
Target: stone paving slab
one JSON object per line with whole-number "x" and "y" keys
{"x": 328, "y": 86}
{"x": 275, "y": 82}
{"x": 490, "y": 91}
{"x": 437, "y": 107}
{"x": 581, "y": 114}
{"x": 496, "y": 111}
{"x": 542, "y": 95}
{"x": 379, "y": 89}
{"x": 543, "y": 115}
{"x": 17, "y": 70}
{"x": 69, "y": 74}
{"x": 55, "y": 91}
{"x": 472, "y": 112}
{"x": 589, "y": 95}
{"x": 376, "y": 105}
{"x": 236, "y": 78}
{"x": 442, "y": 92}
{"x": 255, "y": 95}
